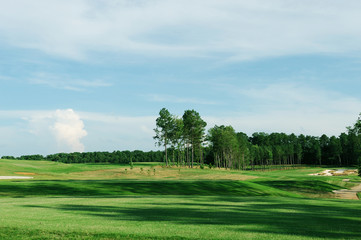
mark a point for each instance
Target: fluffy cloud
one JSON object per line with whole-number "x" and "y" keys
{"x": 44, "y": 132}
{"x": 69, "y": 129}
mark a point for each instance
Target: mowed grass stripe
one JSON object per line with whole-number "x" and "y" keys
{"x": 131, "y": 187}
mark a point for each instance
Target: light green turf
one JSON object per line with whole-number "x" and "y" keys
{"x": 84, "y": 201}
{"x": 179, "y": 217}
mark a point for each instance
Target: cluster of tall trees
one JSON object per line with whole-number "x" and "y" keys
{"x": 116, "y": 157}
{"x": 226, "y": 148}
{"x": 184, "y": 135}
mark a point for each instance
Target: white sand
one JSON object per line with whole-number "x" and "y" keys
{"x": 332, "y": 172}
{"x": 14, "y": 177}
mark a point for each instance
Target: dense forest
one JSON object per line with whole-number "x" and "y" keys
{"x": 186, "y": 143}
{"x": 224, "y": 147}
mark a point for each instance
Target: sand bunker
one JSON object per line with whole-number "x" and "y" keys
{"x": 338, "y": 172}
{"x": 348, "y": 194}
{"x": 342, "y": 193}
{"x": 25, "y": 173}
{"x": 14, "y": 177}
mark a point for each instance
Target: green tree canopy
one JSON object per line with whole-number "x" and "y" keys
{"x": 164, "y": 129}
{"x": 193, "y": 129}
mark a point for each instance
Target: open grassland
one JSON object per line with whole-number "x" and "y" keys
{"x": 84, "y": 201}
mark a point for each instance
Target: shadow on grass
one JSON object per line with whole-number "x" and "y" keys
{"x": 307, "y": 218}
{"x": 95, "y": 188}
{"x": 21, "y": 233}
{"x": 306, "y": 186}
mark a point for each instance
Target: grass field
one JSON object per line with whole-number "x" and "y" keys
{"x": 80, "y": 201}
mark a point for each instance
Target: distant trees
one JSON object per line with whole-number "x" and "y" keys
{"x": 116, "y": 157}
{"x": 230, "y": 149}
{"x": 225, "y": 146}
{"x": 185, "y": 140}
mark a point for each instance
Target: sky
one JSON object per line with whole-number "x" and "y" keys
{"x": 91, "y": 75}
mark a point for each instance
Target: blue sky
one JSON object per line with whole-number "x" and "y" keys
{"x": 89, "y": 75}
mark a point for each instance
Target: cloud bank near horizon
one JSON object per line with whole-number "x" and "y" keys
{"x": 42, "y": 132}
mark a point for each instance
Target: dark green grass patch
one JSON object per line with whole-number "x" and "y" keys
{"x": 131, "y": 187}
{"x": 306, "y": 186}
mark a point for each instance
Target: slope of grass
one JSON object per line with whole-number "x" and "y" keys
{"x": 84, "y": 201}
{"x": 131, "y": 187}
{"x": 44, "y": 170}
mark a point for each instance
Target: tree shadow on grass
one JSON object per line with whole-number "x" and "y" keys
{"x": 306, "y": 186}
{"x": 93, "y": 188}
{"x": 308, "y": 218}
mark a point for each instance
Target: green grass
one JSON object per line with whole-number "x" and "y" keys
{"x": 106, "y": 188}
{"x": 84, "y": 201}
{"x": 179, "y": 217}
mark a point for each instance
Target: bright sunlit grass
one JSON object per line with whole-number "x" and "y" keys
{"x": 85, "y": 201}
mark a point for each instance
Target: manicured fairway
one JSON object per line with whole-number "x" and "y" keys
{"x": 179, "y": 217}
{"x": 66, "y": 201}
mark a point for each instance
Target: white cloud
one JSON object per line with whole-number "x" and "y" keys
{"x": 69, "y": 129}
{"x": 292, "y": 108}
{"x": 108, "y": 132}
{"x": 239, "y": 29}
{"x": 300, "y": 97}
{"x": 66, "y": 82}
{"x": 42, "y": 132}
{"x": 282, "y": 107}
{"x": 175, "y": 99}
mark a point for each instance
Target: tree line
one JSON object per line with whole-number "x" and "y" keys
{"x": 185, "y": 142}
{"x": 116, "y": 157}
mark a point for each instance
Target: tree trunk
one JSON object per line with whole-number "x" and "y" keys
{"x": 192, "y": 155}
{"x": 166, "y": 156}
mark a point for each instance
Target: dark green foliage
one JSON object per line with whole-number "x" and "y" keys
{"x": 164, "y": 130}
{"x": 7, "y": 157}
{"x": 194, "y": 132}
{"x": 116, "y": 157}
